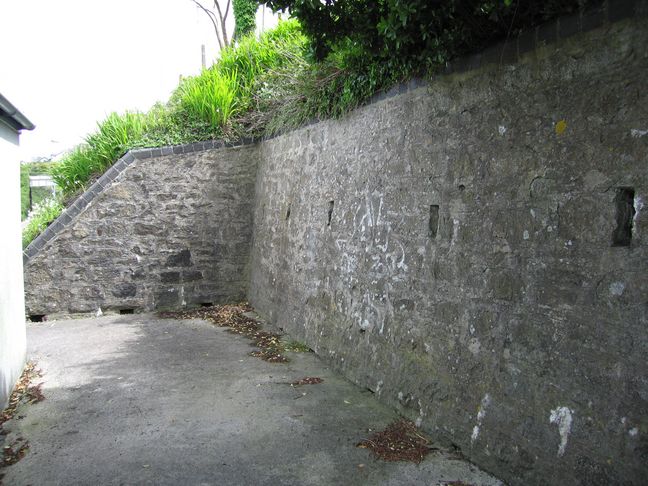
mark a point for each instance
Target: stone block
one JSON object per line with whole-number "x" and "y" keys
{"x": 191, "y": 276}
{"x": 170, "y": 277}
{"x": 167, "y": 298}
{"x": 110, "y": 175}
{"x": 125, "y": 290}
{"x": 148, "y": 229}
{"x": 120, "y": 165}
{"x": 143, "y": 154}
{"x": 181, "y": 258}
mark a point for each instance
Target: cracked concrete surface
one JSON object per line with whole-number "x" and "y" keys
{"x": 135, "y": 399}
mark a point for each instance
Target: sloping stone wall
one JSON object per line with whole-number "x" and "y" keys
{"x": 168, "y": 231}
{"x": 452, "y": 250}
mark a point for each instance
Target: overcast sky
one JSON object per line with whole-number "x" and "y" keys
{"x": 66, "y": 64}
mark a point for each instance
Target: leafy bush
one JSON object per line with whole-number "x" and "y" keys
{"x": 407, "y": 32}
{"x": 300, "y": 90}
{"x": 244, "y": 17}
{"x": 42, "y": 215}
{"x": 360, "y": 47}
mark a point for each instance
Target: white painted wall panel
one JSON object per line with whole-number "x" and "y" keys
{"x": 12, "y": 314}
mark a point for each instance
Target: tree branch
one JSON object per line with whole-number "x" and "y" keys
{"x": 223, "y": 18}
{"x": 212, "y": 17}
{"x": 227, "y": 8}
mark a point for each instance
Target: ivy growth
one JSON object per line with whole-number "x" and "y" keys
{"x": 244, "y": 17}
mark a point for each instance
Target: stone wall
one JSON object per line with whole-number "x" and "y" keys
{"x": 476, "y": 253}
{"x": 163, "y": 232}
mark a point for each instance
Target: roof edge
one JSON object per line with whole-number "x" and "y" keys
{"x": 13, "y": 116}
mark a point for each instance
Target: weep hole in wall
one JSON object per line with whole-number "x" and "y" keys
{"x": 625, "y": 212}
{"x": 433, "y": 221}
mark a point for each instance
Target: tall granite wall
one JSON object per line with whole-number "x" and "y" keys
{"x": 161, "y": 231}
{"x": 476, "y": 253}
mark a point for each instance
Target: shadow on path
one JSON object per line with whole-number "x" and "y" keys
{"x": 142, "y": 400}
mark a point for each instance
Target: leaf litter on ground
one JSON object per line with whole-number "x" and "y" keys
{"x": 233, "y": 317}
{"x": 14, "y": 452}
{"x": 400, "y": 441}
{"x": 25, "y": 392}
{"x": 309, "y": 380}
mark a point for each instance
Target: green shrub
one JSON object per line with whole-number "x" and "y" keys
{"x": 417, "y": 33}
{"x": 244, "y": 17}
{"x": 299, "y": 90}
{"x": 359, "y": 47}
{"x": 165, "y": 126}
{"x": 40, "y": 218}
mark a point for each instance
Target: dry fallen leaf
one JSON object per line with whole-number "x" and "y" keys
{"x": 309, "y": 380}
{"x": 24, "y": 391}
{"x": 233, "y": 317}
{"x": 400, "y": 441}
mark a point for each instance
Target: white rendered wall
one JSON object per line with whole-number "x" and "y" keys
{"x": 12, "y": 306}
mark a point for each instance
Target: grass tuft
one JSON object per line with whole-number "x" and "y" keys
{"x": 296, "y": 347}
{"x": 210, "y": 97}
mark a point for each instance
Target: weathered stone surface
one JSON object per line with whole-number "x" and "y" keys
{"x": 152, "y": 238}
{"x": 168, "y": 298}
{"x": 451, "y": 248}
{"x": 125, "y": 290}
{"x": 516, "y": 330}
{"x": 190, "y": 276}
{"x": 180, "y": 259}
{"x": 170, "y": 277}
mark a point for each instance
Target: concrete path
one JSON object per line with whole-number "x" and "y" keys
{"x": 135, "y": 399}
